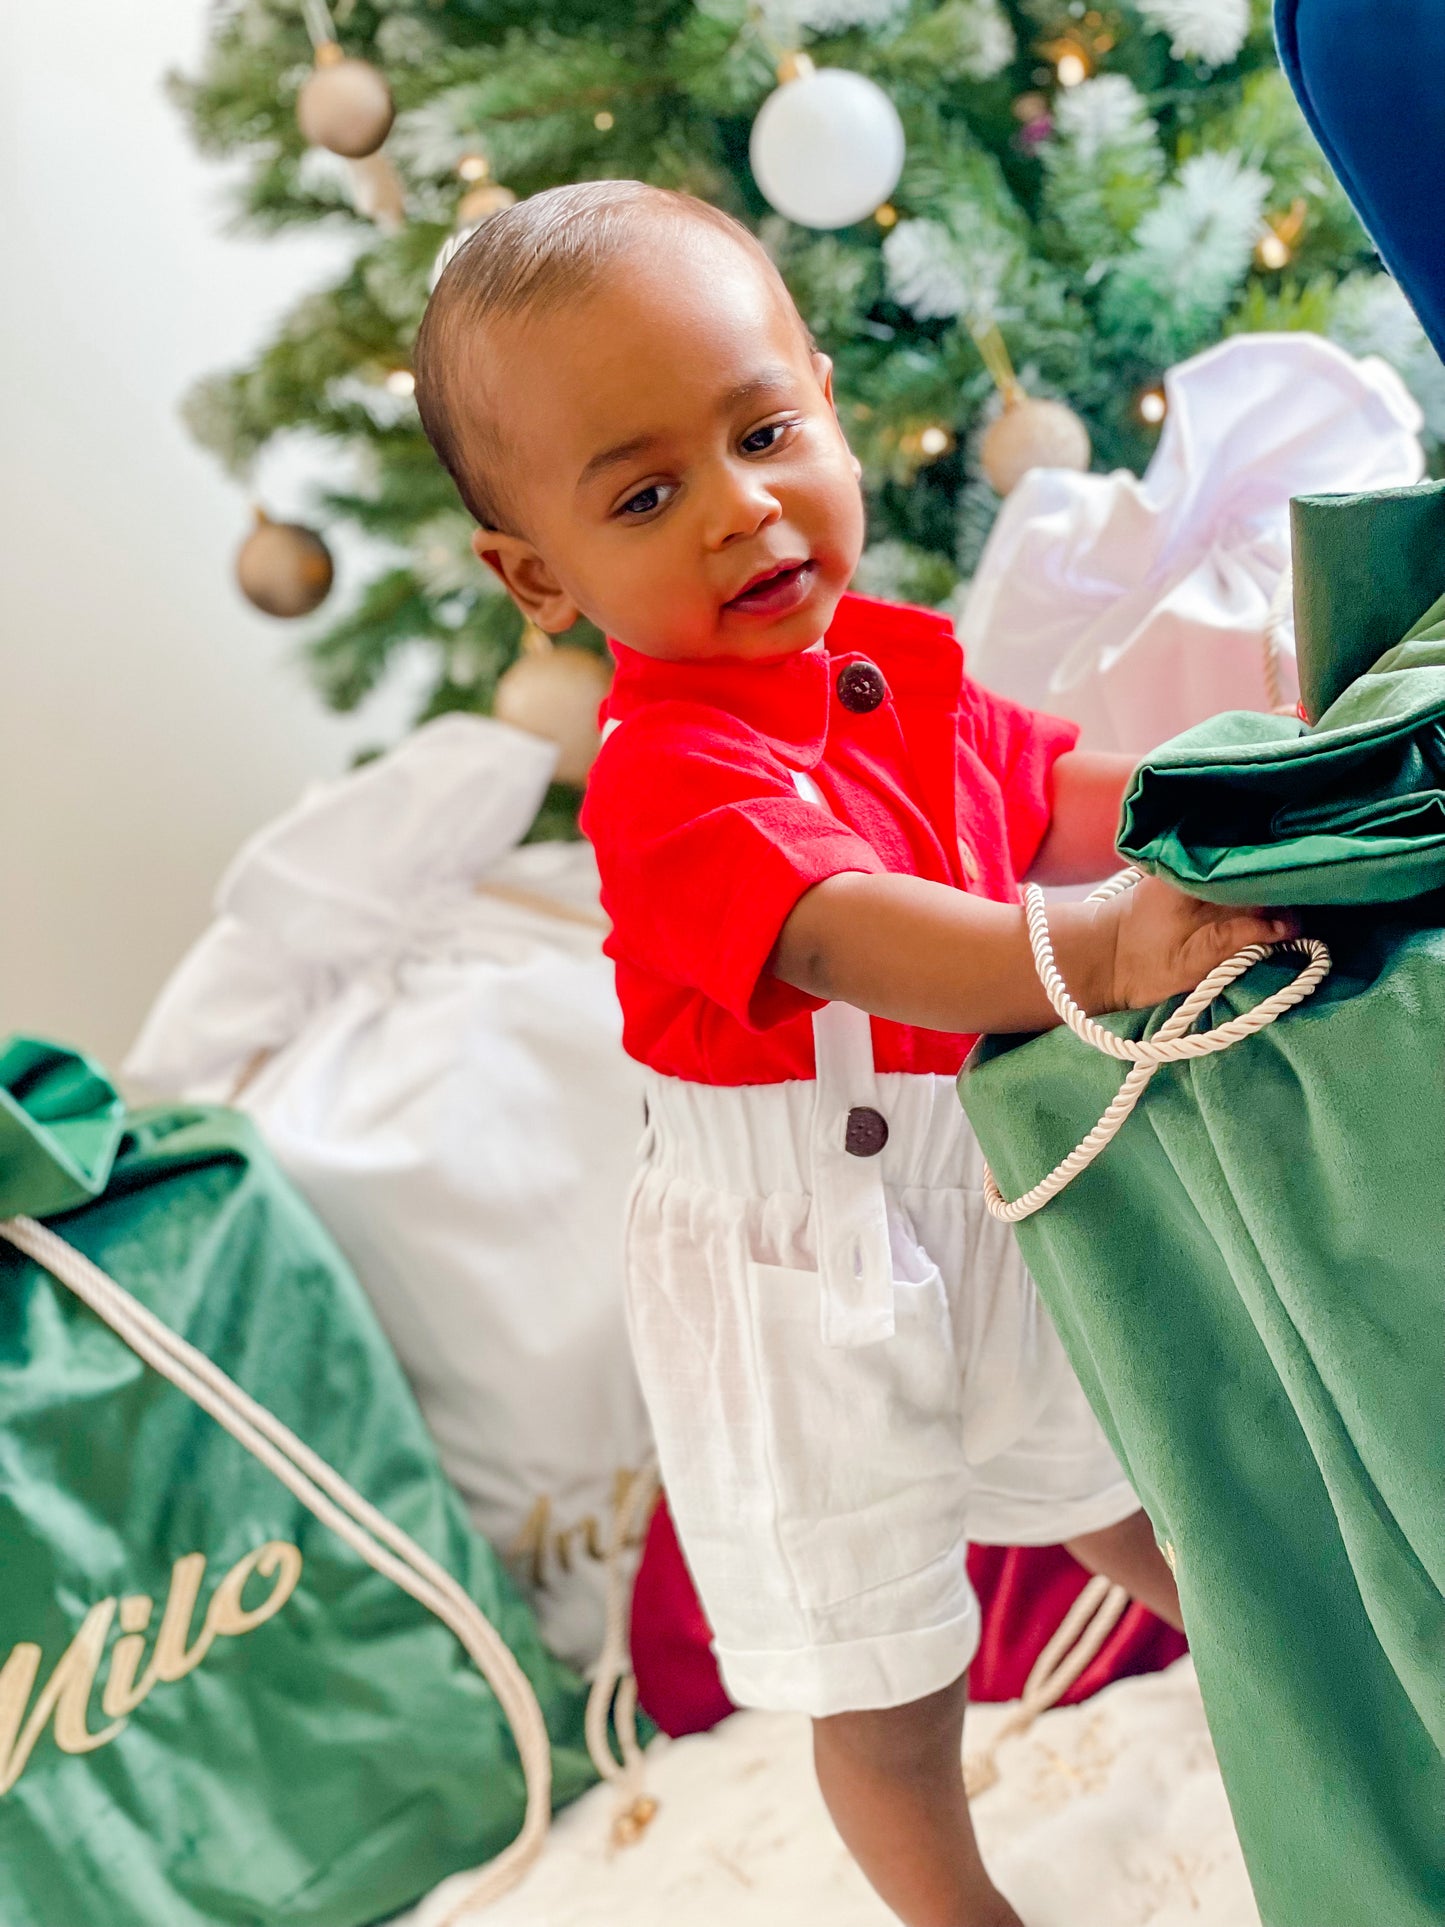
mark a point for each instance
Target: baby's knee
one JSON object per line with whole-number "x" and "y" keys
{"x": 898, "y": 1742}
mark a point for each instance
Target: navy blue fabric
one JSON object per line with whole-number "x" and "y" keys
{"x": 1368, "y": 76}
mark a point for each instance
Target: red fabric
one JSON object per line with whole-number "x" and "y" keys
{"x": 1024, "y": 1593}
{"x": 705, "y": 846}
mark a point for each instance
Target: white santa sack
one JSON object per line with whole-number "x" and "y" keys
{"x": 418, "y": 1015}
{"x": 1139, "y": 607}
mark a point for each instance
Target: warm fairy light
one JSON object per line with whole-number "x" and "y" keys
{"x": 887, "y": 215}
{"x": 400, "y": 381}
{"x": 933, "y": 441}
{"x": 1072, "y": 69}
{"x": 1276, "y": 246}
{"x": 473, "y": 167}
{"x": 1153, "y": 406}
{"x": 603, "y": 122}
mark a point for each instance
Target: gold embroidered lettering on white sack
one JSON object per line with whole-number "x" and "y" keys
{"x": 67, "y": 1693}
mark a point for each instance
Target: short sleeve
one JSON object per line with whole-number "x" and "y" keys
{"x": 1019, "y": 747}
{"x": 704, "y": 847}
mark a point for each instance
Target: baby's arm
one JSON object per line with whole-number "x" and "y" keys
{"x": 1086, "y": 791}
{"x": 927, "y": 954}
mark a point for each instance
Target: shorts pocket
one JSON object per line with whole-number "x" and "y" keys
{"x": 864, "y": 1443}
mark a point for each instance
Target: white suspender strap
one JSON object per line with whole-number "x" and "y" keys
{"x": 850, "y": 1213}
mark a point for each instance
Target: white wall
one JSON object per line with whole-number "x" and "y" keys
{"x": 150, "y": 718}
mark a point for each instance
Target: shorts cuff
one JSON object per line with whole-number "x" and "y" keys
{"x": 856, "y": 1675}
{"x": 998, "y": 1520}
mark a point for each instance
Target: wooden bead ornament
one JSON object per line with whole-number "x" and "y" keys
{"x": 553, "y": 691}
{"x": 284, "y": 568}
{"x": 1032, "y": 433}
{"x": 344, "y": 105}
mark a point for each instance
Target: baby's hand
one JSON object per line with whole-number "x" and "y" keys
{"x": 1155, "y": 942}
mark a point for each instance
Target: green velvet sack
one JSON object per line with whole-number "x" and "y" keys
{"x": 214, "y": 1707}
{"x": 1250, "y": 1280}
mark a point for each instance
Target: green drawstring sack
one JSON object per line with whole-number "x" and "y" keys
{"x": 1250, "y": 1277}
{"x": 233, "y": 1689}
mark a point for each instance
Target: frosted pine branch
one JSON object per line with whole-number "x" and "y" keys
{"x": 1198, "y": 240}
{"x": 1209, "y": 30}
{"x": 932, "y": 274}
{"x": 1101, "y": 114}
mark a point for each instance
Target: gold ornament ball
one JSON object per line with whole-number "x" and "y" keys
{"x": 1031, "y": 433}
{"x": 284, "y": 568}
{"x": 345, "y": 105}
{"x": 482, "y": 202}
{"x": 555, "y": 694}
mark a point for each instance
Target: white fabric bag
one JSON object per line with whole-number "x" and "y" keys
{"x": 1139, "y": 607}
{"x": 418, "y": 1015}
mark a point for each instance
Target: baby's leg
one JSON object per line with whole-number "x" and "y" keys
{"x": 1128, "y": 1554}
{"x": 893, "y": 1782}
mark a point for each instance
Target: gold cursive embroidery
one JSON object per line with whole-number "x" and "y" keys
{"x": 543, "y": 1548}
{"x": 66, "y": 1694}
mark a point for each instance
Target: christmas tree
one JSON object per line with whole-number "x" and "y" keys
{"x": 1089, "y": 194}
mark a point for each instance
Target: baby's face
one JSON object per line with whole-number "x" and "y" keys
{"x": 671, "y": 448}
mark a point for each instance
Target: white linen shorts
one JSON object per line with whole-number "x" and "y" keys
{"x": 824, "y": 1495}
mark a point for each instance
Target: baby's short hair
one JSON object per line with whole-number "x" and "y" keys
{"x": 532, "y": 257}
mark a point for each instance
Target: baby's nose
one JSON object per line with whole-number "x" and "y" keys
{"x": 742, "y": 503}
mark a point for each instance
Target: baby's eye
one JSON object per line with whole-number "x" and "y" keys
{"x": 750, "y": 442}
{"x": 643, "y": 503}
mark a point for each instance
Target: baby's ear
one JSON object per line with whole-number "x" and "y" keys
{"x": 524, "y": 574}
{"x": 823, "y": 369}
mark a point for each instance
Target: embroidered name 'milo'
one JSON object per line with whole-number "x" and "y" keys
{"x": 66, "y": 1694}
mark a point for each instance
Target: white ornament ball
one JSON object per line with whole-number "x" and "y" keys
{"x": 345, "y": 105}
{"x": 555, "y": 694}
{"x": 1031, "y": 433}
{"x": 827, "y": 148}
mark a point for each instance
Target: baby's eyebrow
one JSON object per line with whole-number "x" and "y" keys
{"x": 777, "y": 375}
{"x": 610, "y": 457}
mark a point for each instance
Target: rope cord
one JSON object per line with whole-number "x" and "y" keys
{"x": 322, "y": 1490}
{"x": 318, "y": 22}
{"x": 614, "y": 1672}
{"x": 1077, "y": 1643}
{"x": 1175, "y": 1042}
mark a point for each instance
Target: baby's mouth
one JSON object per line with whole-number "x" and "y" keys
{"x": 782, "y": 586}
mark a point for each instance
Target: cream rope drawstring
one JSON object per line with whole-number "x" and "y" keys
{"x": 1173, "y": 1043}
{"x": 635, "y": 1806}
{"x": 384, "y": 1546}
{"x": 1077, "y": 1643}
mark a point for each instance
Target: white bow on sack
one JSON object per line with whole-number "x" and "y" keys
{"x": 1139, "y": 607}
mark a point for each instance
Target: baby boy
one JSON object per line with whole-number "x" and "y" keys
{"x": 810, "y": 826}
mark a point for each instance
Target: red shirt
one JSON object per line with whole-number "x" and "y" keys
{"x": 705, "y": 846}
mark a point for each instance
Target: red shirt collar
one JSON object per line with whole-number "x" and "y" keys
{"x": 788, "y": 699}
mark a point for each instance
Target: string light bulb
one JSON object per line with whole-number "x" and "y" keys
{"x": 474, "y": 167}
{"x": 399, "y": 381}
{"x": 934, "y": 441}
{"x": 1152, "y": 406}
{"x": 1276, "y": 246}
{"x": 604, "y": 122}
{"x": 886, "y": 215}
{"x": 1072, "y": 58}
